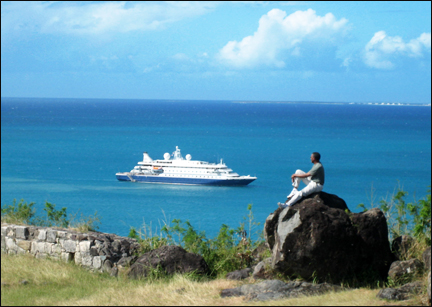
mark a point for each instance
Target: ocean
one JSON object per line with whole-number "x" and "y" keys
{"x": 67, "y": 151}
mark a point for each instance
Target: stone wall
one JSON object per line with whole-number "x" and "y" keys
{"x": 94, "y": 250}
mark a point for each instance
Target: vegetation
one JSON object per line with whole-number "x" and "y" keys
{"x": 23, "y": 213}
{"x": 413, "y": 219}
{"x": 56, "y": 283}
{"x": 230, "y": 250}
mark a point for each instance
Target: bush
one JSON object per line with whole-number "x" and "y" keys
{"x": 23, "y": 213}
{"x": 230, "y": 250}
{"x": 413, "y": 219}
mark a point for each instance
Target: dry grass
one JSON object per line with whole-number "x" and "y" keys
{"x": 57, "y": 283}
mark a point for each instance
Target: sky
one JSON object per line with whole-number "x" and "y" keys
{"x": 241, "y": 50}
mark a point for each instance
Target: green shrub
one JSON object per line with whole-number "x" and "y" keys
{"x": 21, "y": 213}
{"x": 56, "y": 217}
{"x": 413, "y": 219}
{"x": 230, "y": 250}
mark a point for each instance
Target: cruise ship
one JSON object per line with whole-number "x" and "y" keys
{"x": 174, "y": 169}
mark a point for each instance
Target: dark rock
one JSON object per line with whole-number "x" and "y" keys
{"x": 105, "y": 238}
{"x": 316, "y": 238}
{"x": 116, "y": 246}
{"x": 24, "y": 282}
{"x": 376, "y": 256}
{"x": 402, "y": 293}
{"x": 296, "y": 289}
{"x": 391, "y": 294}
{"x": 231, "y": 292}
{"x": 270, "y": 227}
{"x": 170, "y": 259}
{"x": 330, "y": 200}
{"x": 405, "y": 270}
{"x": 105, "y": 251}
{"x": 82, "y": 237}
{"x": 126, "y": 261}
{"x": 427, "y": 258}
{"x": 401, "y": 245}
{"x": 125, "y": 246}
{"x": 239, "y": 274}
{"x": 276, "y": 289}
{"x": 323, "y": 198}
{"x": 265, "y": 286}
{"x": 93, "y": 237}
{"x": 263, "y": 269}
{"x": 94, "y": 251}
{"x": 260, "y": 252}
{"x": 114, "y": 271}
{"x": 32, "y": 233}
{"x": 107, "y": 266}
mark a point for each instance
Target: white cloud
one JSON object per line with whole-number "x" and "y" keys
{"x": 84, "y": 18}
{"x": 381, "y": 50}
{"x": 280, "y": 36}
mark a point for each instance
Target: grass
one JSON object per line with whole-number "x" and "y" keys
{"x": 52, "y": 282}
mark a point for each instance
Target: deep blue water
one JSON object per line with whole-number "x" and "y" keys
{"x": 67, "y": 151}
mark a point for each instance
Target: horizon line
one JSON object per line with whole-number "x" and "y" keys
{"x": 239, "y": 101}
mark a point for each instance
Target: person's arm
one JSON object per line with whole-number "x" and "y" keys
{"x": 293, "y": 176}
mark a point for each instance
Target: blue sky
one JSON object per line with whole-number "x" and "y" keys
{"x": 259, "y": 50}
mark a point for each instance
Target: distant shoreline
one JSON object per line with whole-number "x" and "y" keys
{"x": 341, "y": 103}
{"x": 236, "y": 101}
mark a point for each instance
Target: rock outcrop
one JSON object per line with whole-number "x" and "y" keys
{"x": 319, "y": 238}
{"x": 239, "y": 274}
{"x": 169, "y": 259}
{"x": 375, "y": 254}
{"x": 405, "y": 270}
{"x": 262, "y": 269}
{"x": 276, "y": 289}
{"x": 402, "y": 293}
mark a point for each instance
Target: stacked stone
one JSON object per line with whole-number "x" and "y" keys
{"x": 93, "y": 250}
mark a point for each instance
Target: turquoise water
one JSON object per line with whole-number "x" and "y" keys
{"x": 67, "y": 151}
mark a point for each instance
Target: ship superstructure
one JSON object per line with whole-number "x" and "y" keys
{"x": 174, "y": 169}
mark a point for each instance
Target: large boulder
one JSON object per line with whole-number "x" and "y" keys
{"x": 319, "y": 239}
{"x": 375, "y": 254}
{"x": 170, "y": 259}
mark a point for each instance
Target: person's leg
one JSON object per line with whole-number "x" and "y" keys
{"x": 296, "y": 183}
{"x": 312, "y": 187}
{"x": 309, "y": 189}
{"x": 297, "y": 180}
